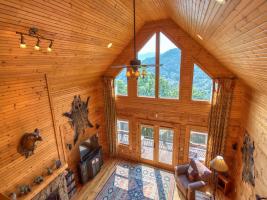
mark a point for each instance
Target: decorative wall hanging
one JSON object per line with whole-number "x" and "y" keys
{"x": 258, "y": 197}
{"x": 28, "y": 143}
{"x": 79, "y": 116}
{"x": 248, "y": 160}
{"x": 38, "y": 180}
{"x": 24, "y": 189}
{"x": 49, "y": 171}
{"x": 58, "y": 164}
{"x": 13, "y": 196}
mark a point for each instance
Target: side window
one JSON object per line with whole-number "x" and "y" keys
{"x": 169, "y": 73}
{"x": 146, "y": 86}
{"x": 202, "y": 85}
{"x": 198, "y": 145}
{"x": 121, "y": 84}
{"x": 123, "y": 131}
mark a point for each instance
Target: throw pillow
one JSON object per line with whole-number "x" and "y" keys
{"x": 192, "y": 172}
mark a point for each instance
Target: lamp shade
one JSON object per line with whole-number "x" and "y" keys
{"x": 219, "y": 164}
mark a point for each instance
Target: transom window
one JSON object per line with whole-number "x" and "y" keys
{"x": 121, "y": 85}
{"x": 168, "y": 74}
{"x": 198, "y": 145}
{"x": 123, "y": 131}
{"x": 202, "y": 85}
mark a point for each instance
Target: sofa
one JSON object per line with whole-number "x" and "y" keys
{"x": 190, "y": 177}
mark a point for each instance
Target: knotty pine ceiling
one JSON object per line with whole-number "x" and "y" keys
{"x": 235, "y": 33}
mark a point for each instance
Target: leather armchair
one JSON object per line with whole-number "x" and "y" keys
{"x": 187, "y": 187}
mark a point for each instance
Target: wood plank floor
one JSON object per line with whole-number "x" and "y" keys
{"x": 92, "y": 188}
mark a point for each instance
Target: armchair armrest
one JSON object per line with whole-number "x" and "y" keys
{"x": 196, "y": 185}
{"x": 192, "y": 187}
{"x": 181, "y": 169}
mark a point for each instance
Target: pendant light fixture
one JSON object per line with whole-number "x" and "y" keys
{"x": 135, "y": 66}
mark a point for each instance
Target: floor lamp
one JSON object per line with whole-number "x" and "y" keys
{"x": 218, "y": 165}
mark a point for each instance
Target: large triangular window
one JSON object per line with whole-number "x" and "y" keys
{"x": 202, "y": 85}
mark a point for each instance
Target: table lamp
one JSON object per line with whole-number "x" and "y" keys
{"x": 218, "y": 165}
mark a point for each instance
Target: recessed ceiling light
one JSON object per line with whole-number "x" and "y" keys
{"x": 199, "y": 37}
{"x": 220, "y": 1}
{"x": 109, "y": 45}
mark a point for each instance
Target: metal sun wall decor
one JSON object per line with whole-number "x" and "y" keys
{"x": 79, "y": 116}
{"x": 248, "y": 160}
{"x": 28, "y": 143}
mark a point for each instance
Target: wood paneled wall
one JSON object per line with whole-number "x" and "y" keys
{"x": 183, "y": 113}
{"x": 25, "y": 105}
{"x": 62, "y": 99}
{"x": 255, "y": 122}
{"x": 38, "y": 101}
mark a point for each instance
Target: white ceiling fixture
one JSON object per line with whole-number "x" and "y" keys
{"x": 221, "y": 1}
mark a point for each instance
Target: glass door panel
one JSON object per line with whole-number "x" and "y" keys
{"x": 165, "y": 145}
{"x": 147, "y": 142}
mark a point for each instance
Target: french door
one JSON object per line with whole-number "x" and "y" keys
{"x": 157, "y": 143}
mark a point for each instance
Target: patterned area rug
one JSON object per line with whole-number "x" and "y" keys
{"x": 138, "y": 182}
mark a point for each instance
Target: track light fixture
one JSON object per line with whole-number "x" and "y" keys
{"x": 33, "y": 32}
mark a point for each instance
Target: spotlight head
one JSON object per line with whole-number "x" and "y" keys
{"x": 49, "y": 48}
{"x": 22, "y": 42}
{"x": 37, "y": 46}
{"x": 23, "y": 46}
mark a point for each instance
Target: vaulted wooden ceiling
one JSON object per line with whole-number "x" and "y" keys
{"x": 235, "y": 33}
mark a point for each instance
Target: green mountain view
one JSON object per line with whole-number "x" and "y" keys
{"x": 169, "y": 78}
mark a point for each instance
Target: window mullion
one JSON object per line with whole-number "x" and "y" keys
{"x": 157, "y": 65}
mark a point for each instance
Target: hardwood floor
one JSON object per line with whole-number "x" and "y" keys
{"x": 91, "y": 189}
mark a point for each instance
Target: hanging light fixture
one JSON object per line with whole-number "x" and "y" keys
{"x": 135, "y": 63}
{"x": 144, "y": 73}
{"x": 22, "y": 42}
{"x": 137, "y": 74}
{"x": 37, "y": 46}
{"x": 128, "y": 73}
{"x": 33, "y": 32}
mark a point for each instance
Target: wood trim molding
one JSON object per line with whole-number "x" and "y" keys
{"x": 60, "y": 145}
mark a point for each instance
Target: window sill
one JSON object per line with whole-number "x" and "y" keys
{"x": 123, "y": 145}
{"x": 201, "y": 101}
